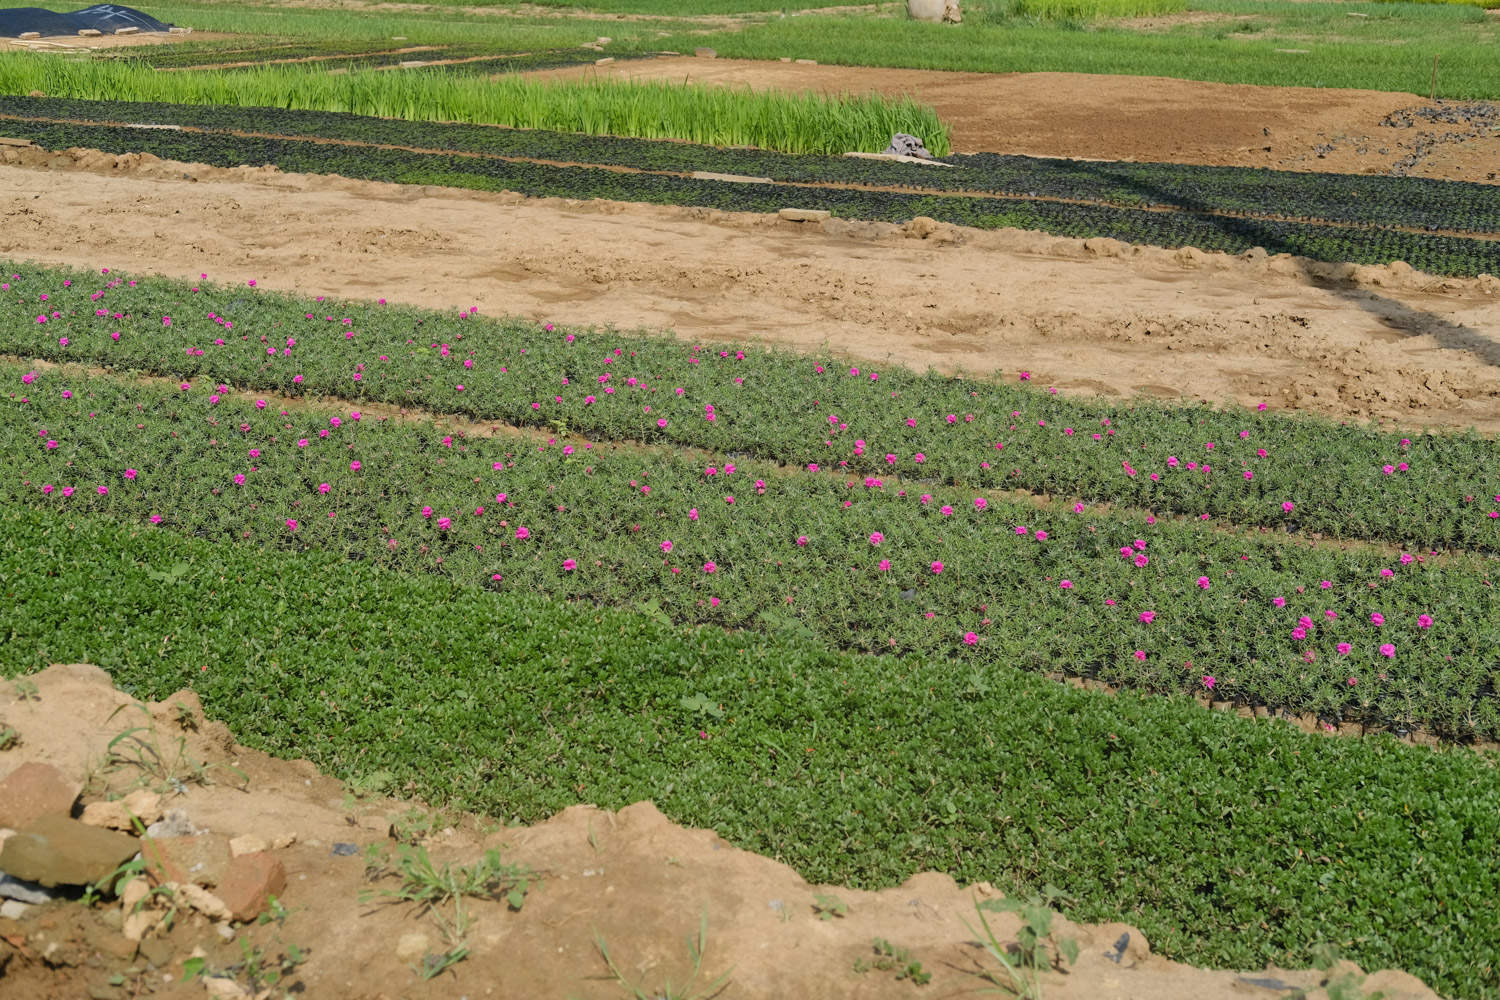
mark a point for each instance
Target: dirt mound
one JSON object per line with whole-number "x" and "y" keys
{"x": 630, "y": 879}
{"x": 1094, "y": 316}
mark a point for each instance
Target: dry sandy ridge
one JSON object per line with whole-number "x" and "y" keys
{"x": 1086, "y": 316}
{"x": 631, "y": 877}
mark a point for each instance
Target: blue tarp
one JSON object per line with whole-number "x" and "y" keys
{"x": 105, "y": 17}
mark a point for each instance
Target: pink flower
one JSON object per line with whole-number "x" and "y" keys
{"x": 981, "y": 503}
{"x": 1040, "y": 536}
{"x": 130, "y": 474}
{"x": 1140, "y": 654}
{"x": 1387, "y": 469}
{"x": 1377, "y": 618}
{"x": 945, "y": 510}
{"x": 570, "y": 565}
{"x": 693, "y": 514}
{"x": 937, "y": 567}
{"x": 67, "y": 491}
{"x": 1325, "y": 584}
{"x": 444, "y": 523}
{"x": 885, "y": 566}
{"x": 1208, "y": 681}
{"x": 666, "y": 546}
{"x": 1066, "y": 585}
{"x": 156, "y": 519}
{"x": 1142, "y": 560}
{"x": 1203, "y": 583}
{"x": 1148, "y": 617}
{"x": 291, "y": 524}
{"x": 1352, "y": 682}
{"x": 876, "y": 538}
{"x": 1344, "y": 648}
{"x": 523, "y": 533}
{"x": 710, "y": 567}
{"x": 1078, "y": 508}
{"x": 1388, "y": 650}
{"x": 324, "y": 487}
{"x": 239, "y": 479}
{"x": 353, "y": 466}
{"x": 1288, "y": 506}
{"x": 1279, "y": 602}
{"x": 1424, "y": 621}
{"x": 801, "y": 539}
{"x": 970, "y": 638}
{"x": 919, "y": 458}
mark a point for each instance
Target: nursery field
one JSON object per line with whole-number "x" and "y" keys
{"x": 1120, "y": 534}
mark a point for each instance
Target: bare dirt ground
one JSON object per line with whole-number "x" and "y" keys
{"x": 1086, "y": 316}
{"x": 630, "y": 878}
{"x": 61, "y": 43}
{"x": 1130, "y": 117}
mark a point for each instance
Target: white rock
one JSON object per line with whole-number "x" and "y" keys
{"x": 412, "y": 946}
{"x": 247, "y": 844}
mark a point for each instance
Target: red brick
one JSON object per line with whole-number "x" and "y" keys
{"x": 250, "y": 883}
{"x": 32, "y": 791}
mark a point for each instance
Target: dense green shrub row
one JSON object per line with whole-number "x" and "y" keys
{"x": 1425, "y": 490}
{"x": 1228, "y": 842}
{"x": 982, "y": 580}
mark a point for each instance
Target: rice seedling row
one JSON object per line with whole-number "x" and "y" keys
{"x": 1262, "y": 469}
{"x": 1237, "y": 842}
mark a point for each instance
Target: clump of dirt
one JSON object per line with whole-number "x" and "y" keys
{"x": 605, "y": 898}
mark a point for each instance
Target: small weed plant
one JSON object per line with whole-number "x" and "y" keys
{"x": 890, "y": 958}
{"x": 697, "y": 947}
{"x": 1036, "y": 950}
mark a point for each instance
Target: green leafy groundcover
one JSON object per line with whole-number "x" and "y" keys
{"x": 1229, "y": 842}
{"x": 1378, "y": 201}
{"x": 988, "y": 581}
{"x": 1304, "y": 475}
{"x": 1433, "y": 253}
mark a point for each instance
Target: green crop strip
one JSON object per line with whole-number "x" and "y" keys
{"x": 796, "y": 123}
{"x": 1425, "y": 491}
{"x": 1230, "y": 843}
{"x": 1391, "y": 48}
{"x": 1341, "y": 198}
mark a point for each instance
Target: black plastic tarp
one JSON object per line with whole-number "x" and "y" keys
{"x": 105, "y": 17}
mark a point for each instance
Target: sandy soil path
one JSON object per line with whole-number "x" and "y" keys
{"x": 1090, "y": 316}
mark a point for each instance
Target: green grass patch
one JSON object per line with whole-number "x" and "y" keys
{"x": 1230, "y": 843}
{"x": 1390, "y": 49}
{"x": 795, "y": 123}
